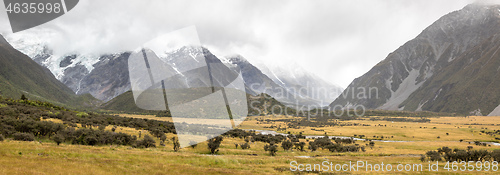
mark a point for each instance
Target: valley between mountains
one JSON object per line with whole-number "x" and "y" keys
{"x": 435, "y": 98}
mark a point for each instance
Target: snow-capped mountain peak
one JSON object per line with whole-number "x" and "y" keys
{"x": 105, "y": 76}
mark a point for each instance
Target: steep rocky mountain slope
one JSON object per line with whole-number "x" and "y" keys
{"x": 288, "y": 91}
{"x": 450, "y": 67}
{"x": 19, "y": 74}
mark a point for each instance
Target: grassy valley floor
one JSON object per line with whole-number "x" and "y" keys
{"x": 45, "y": 157}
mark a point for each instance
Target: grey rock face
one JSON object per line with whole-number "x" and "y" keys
{"x": 412, "y": 77}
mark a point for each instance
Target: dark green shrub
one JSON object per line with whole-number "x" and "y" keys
{"x": 163, "y": 137}
{"x": 300, "y": 146}
{"x": 90, "y": 140}
{"x": 23, "y": 97}
{"x": 495, "y": 155}
{"x": 147, "y": 142}
{"x": 214, "y": 144}
{"x": 245, "y": 146}
{"x": 58, "y": 138}
{"x": 21, "y": 136}
{"x": 272, "y": 148}
{"x": 177, "y": 145}
{"x": 422, "y": 158}
{"x": 433, "y": 155}
{"x": 286, "y": 145}
{"x": 313, "y": 146}
{"x": 372, "y": 144}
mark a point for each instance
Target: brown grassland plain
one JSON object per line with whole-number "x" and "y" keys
{"x": 45, "y": 157}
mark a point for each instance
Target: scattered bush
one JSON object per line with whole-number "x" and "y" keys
{"x": 433, "y": 155}
{"x": 312, "y": 146}
{"x": 147, "y": 142}
{"x": 272, "y": 148}
{"x": 23, "y": 136}
{"x": 495, "y": 155}
{"x": 177, "y": 145}
{"x": 214, "y": 144}
{"x": 287, "y": 145}
{"x": 245, "y": 146}
{"x": 300, "y": 146}
{"x": 372, "y": 144}
{"x": 58, "y": 138}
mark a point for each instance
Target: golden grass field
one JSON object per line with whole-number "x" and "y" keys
{"x": 45, "y": 157}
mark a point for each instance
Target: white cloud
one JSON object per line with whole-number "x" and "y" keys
{"x": 337, "y": 40}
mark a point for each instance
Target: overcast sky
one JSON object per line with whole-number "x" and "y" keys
{"x": 336, "y": 40}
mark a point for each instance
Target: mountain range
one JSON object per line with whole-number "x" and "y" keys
{"x": 105, "y": 76}
{"x": 452, "y": 66}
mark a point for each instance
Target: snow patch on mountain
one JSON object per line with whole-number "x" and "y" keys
{"x": 36, "y": 44}
{"x": 29, "y": 44}
{"x": 54, "y": 61}
{"x": 406, "y": 88}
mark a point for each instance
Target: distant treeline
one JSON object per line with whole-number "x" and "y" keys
{"x": 408, "y": 113}
{"x": 399, "y": 119}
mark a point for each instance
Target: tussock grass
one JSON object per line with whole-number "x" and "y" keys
{"x": 45, "y": 157}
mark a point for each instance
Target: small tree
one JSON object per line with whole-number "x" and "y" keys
{"x": 300, "y": 146}
{"x": 434, "y": 155}
{"x": 163, "y": 137}
{"x": 177, "y": 145}
{"x": 245, "y": 146}
{"x": 286, "y": 145}
{"x": 147, "y": 142}
{"x": 214, "y": 144}
{"x": 271, "y": 148}
{"x": 23, "y": 97}
{"x": 372, "y": 144}
{"x": 495, "y": 155}
{"x": 422, "y": 158}
{"x": 312, "y": 146}
{"x": 444, "y": 149}
{"x": 58, "y": 138}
